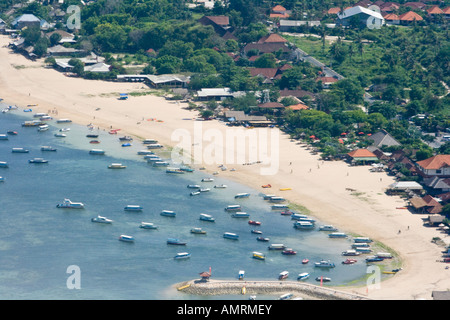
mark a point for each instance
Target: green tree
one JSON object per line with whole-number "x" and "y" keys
{"x": 267, "y": 60}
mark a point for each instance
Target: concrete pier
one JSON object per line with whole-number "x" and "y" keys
{"x": 230, "y": 287}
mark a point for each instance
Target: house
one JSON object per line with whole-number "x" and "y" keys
{"x": 218, "y": 94}
{"x": 327, "y": 81}
{"x": 98, "y": 68}
{"x": 438, "y": 165}
{"x": 26, "y": 20}
{"x": 362, "y": 156}
{"x": 383, "y": 138}
{"x": 404, "y": 187}
{"x": 426, "y": 204}
{"x": 266, "y": 73}
{"x": 446, "y": 12}
{"x": 271, "y": 105}
{"x": 272, "y": 38}
{"x": 392, "y": 19}
{"x": 268, "y": 47}
{"x": 409, "y": 18}
{"x": 221, "y": 24}
{"x": 334, "y": 11}
{"x": 360, "y": 15}
{"x": 279, "y": 12}
{"x": 299, "y": 106}
{"x": 389, "y": 7}
{"x": 167, "y": 80}
{"x": 296, "y": 25}
{"x": 434, "y": 11}
{"x": 240, "y": 118}
{"x": 414, "y": 5}
{"x": 437, "y": 184}
{"x": 59, "y": 50}
{"x": 298, "y": 93}
{"x": 65, "y": 36}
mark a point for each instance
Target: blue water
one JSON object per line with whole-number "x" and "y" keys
{"x": 38, "y": 241}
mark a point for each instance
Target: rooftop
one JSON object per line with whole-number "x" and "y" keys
{"x": 435, "y": 163}
{"x": 362, "y": 153}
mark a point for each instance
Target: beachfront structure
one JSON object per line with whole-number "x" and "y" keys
{"x": 359, "y": 15}
{"x": 59, "y": 50}
{"x": 157, "y": 81}
{"x": 405, "y": 186}
{"x": 383, "y": 138}
{"x": 426, "y": 204}
{"x": 218, "y": 94}
{"x": 240, "y": 118}
{"x": 26, "y": 20}
{"x": 437, "y": 166}
{"x": 362, "y": 156}
{"x": 100, "y": 67}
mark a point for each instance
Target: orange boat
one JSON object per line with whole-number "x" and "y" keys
{"x": 267, "y": 186}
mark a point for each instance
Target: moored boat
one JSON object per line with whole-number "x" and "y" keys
{"x": 362, "y": 240}
{"x": 193, "y": 186}
{"x": 70, "y": 205}
{"x": 303, "y": 225}
{"x": 195, "y": 193}
{"x": 255, "y": 223}
{"x": 2, "y": 179}
{"x": 149, "y": 141}
{"x": 182, "y": 255}
{"x": 327, "y": 228}
{"x": 279, "y": 206}
{"x": 38, "y": 160}
{"x": 3, "y": 164}
{"x": 305, "y": 261}
{"x": 351, "y": 253}
{"x": 241, "y": 274}
{"x": 126, "y": 238}
{"x": 206, "y": 217}
{"x": 125, "y": 138}
{"x": 101, "y": 219}
{"x": 256, "y": 231}
{"x": 303, "y": 276}
{"x": 220, "y": 186}
{"x": 277, "y": 246}
{"x": 258, "y": 256}
{"x": 174, "y": 170}
{"x": 19, "y": 150}
{"x": 240, "y": 215}
{"x": 133, "y": 207}
{"x": 324, "y": 264}
{"x": 277, "y": 199}
{"x": 176, "y": 242}
{"x": 374, "y": 259}
{"x": 207, "y": 180}
{"x": 337, "y": 235}
{"x": 198, "y": 231}
{"x": 323, "y": 279}
{"x": 233, "y": 207}
{"x": 161, "y": 164}
{"x": 168, "y": 213}
{"x": 47, "y": 148}
{"x": 230, "y": 235}
{"x": 349, "y": 261}
{"x": 242, "y": 195}
{"x": 283, "y": 275}
{"x": 154, "y": 146}
{"x": 92, "y": 135}
{"x": 144, "y": 152}
{"x": 97, "y": 151}
{"x": 147, "y": 225}
{"x": 288, "y": 252}
{"x": 63, "y": 121}
{"x": 60, "y": 135}
{"x": 116, "y": 166}
{"x": 127, "y": 144}
{"x": 43, "y": 127}
{"x": 263, "y": 239}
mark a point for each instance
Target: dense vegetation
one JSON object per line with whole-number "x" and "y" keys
{"x": 405, "y": 68}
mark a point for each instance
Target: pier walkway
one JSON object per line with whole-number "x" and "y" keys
{"x": 231, "y": 287}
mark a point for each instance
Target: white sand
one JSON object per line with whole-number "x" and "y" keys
{"x": 319, "y": 186}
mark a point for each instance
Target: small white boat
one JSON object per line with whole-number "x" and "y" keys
{"x": 174, "y": 170}
{"x": 198, "y": 231}
{"x": 351, "y": 253}
{"x": 47, "y": 148}
{"x": 277, "y": 199}
{"x": 101, "y": 219}
{"x": 182, "y": 255}
{"x": 195, "y": 193}
{"x": 154, "y": 146}
{"x": 204, "y": 189}
{"x": 132, "y": 207}
{"x": 160, "y": 164}
{"x": 64, "y": 130}
{"x": 60, "y": 135}
{"x": 240, "y": 215}
{"x": 327, "y": 228}
{"x": 126, "y": 238}
{"x": 280, "y": 206}
{"x": 63, "y": 120}
{"x": 116, "y": 166}
{"x": 303, "y": 225}
{"x": 220, "y": 186}
{"x": 206, "y": 217}
{"x": 70, "y": 205}
{"x": 233, "y": 207}
{"x": 230, "y": 235}
{"x": 19, "y": 150}
{"x": 2, "y": 179}
{"x": 242, "y": 195}
{"x": 168, "y": 213}
{"x": 147, "y": 225}
{"x": 303, "y": 276}
{"x": 337, "y": 235}
{"x": 277, "y": 246}
{"x": 241, "y": 274}
{"x": 258, "y": 256}
{"x": 283, "y": 275}
{"x": 3, "y": 164}
{"x": 38, "y": 160}
{"x": 193, "y": 186}
{"x": 44, "y": 127}
{"x": 207, "y": 180}
{"x": 3, "y": 137}
{"x": 324, "y": 264}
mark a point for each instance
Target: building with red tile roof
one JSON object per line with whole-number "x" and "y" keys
{"x": 409, "y": 17}
{"x": 297, "y": 107}
{"x": 435, "y": 10}
{"x": 334, "y": 10}
{"x": 272, "y": 38}
{"x": 362, "y": 155}
{"x": 438, "y": 165}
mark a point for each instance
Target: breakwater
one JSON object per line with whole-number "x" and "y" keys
{"x": 227, "y": 287}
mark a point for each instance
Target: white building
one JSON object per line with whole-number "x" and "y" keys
{"x": 361, "y": 15}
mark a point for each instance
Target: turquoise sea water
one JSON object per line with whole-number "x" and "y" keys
{"x": 38, "y": 241}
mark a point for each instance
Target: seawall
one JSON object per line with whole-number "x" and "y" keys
{"x": 224, "y": 287}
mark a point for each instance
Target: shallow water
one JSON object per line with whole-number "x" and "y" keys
{"x": 39, "y": 241}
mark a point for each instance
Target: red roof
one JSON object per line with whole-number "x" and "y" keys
{"x": 335, "y": 10}
{"x": 265, "y": 72}
{"x": 219, "y": 20}
{"x": 391, "y": 16}
{"x": 279, "y": 15}
{"x": 270, "y": 38}
{"x": 327, "y": 79}
{"x": 279, "y": 8}
{"x": 410, "y": 16}
{"x": 361, "y": 153}
{"x": 435, "y": 10}
{"x": 271, "y": 105}
{"x": 446, "y": 10}
{"x": 435, "y": 163}
{"x": 299, "y": 106}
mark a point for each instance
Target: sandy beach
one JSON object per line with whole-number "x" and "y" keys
{"x": 319, "y": 186}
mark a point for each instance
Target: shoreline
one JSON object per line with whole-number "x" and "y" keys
{"x": 317, "y": 185}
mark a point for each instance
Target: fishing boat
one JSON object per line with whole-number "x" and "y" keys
{"x": 63, "y": 121}
{"x": 126, "y": 238}
{"x": 349, "y": 261}
{"x": 127, "y": 144}
{"x": 92, "y": 135}
{"x": 168, "y": 213}
{"x": 161, "y": 164}
{"x": 286, "y": 213}
{"x": 279, "y": 206}
{"x": 174, "y": 170}
{"x": 303, "y": 225}
{"x": 204, "y": 189}
{"x": 230, "y": 235}
{"x": 207, "y": 180}
{"x": 337, "y": 235}
{"x": 360, "y": 245}
{"x": 94, "y": 141}
{"x": 144, "y": 152}
{"x": 374, "y": 259}
{"x": 363, "y": 249}
{"x": 186, "y": 169}
{"x": 43, "y": 127}
{"x": 147, "y": 225}
{"x": 195, "y": 193}
{"x": 133, "y": 207}
{"x": 100, "y": 219}
{"x": 206, "y": 217}
{"x": 177, "y": 242}
{"x": 268, "y": 196}
{"x": 289, "y": 252}
{"x": 303, "y": 276}
{"x": 240, "y": 215}
{"x": 19, "y": 150}
{"x": 242, "y": 195}
{"x": 258, "y": 256}
{"x": 327, "y": 228}
{"x": 263, "y": 239}
{"x": 297, "y": 216}
{"x": 3, "y": 164}
{"x": 154, "y": 146}
{"x": 32, "y": 123}
{"x": 38, "y": 160}
{"x": 384, "y": 255}
{"x": 241, "y": 274}
{"x": 97, "y": 152}
{"x": 362, "y": 240}
{"x": 277, "y": 199}
{"x": 40, "y": 115}
{"x": 12, "y": 132}
{"x": 351, "y": 253}
{"x": 125, "y": 138}
{"x": 45, "y": 118}
{"x": 323, "y": 279}
{"x": 47, "y": 148}
{"x": 2, "y": 179}
{"x": 324, "y": 264}
{"x": 283, "y": 275}
{"x": 182, "y": 255}
{"x": 256, "y": 231}
{"x": 152, "y": 158}
{"x": 60, "y": 135}
{"x": 220, "y": 186}
{"x": 198, "y": 231}
{"x": 254, "y": 223}
{"x": 305, "y": 261}
{"x": 233, "y": 207}
{"x": 67, "y": 204}
{"x": 149, "y": 141}
{"x": 3, "y": 137}
{"x": 193, "y": 186}
{"x": 116, "y": 166}
{"x": 277, "y": 246}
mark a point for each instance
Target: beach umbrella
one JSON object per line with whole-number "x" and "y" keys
{"x": 312, "y": 136}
